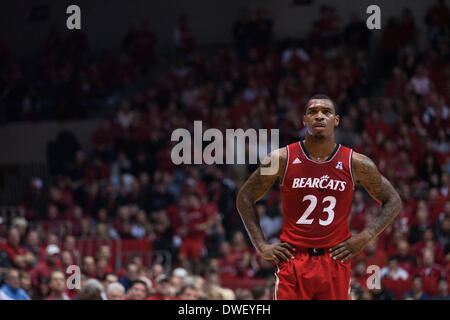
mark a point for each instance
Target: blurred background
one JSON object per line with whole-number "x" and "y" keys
{"x": 86, "y": 118}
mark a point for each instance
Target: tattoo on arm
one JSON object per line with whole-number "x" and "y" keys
{"x": 253, "y": 190}
{"x": 380, "y": 189}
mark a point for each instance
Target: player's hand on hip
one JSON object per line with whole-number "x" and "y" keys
{"x": 277, "y": 252}
{"x": 350, "y": 247}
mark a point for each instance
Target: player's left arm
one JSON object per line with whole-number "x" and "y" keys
{"x": 366, "y": 174}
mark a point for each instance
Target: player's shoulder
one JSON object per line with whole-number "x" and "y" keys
{"x": 361, "y": 159}
{"x": 362, "y": 166}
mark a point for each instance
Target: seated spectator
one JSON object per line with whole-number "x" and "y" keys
{"x": 373, "y": 254}
{"x": 359, "y": 274}
{"x": 271, "y": 226}
{"x": 178, "y": 277}
{"x": 429, "y": 242}
{"x": 195, "y": 221}
{"x": 57, "y": 286}
{"x": 243, "y": 294}
{"x": 19, "y": 256}
{"x": 11, "y": 289}
{"x": 420, "y": 81}
{"x": 359, "y": 207}
{"x": 70, "y": 244}
{"x": 32, "y": 243}
{"x": 5, "y": 264}
{"x": 443, "y": 232}
{"x": 188, "y": 292}
{"x": 442, "y": 293}
{"x": 416, "y": 292}
{"x": 430, "y": 273}
{"x": 42, "y": 290}
{"x": 115, "y": 291}
{"x": 21, "y": 224}
{"x": 138, "y": 290}
{"x": 417, "y": 229}
{"x": 382, "y": 293}
{"x": 405, "y": 259}
{"x": 92, "y": 290}
{"x": 89, "y": 267}
{"x": 163, "y": 289}
{"x": 45, "y": 267}
{"x": 108, "y": 279}
{"x": 130, "y": 276}
{"x": 260, "y": 292}
{"x": 393, "y": 270}
{"x": 25, "y": 282}
{"x": 395, "y": 278}
{"x": 262, "y": 268}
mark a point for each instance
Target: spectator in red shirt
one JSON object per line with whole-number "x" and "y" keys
{"x": 196, "y": 222}
{"x": 374, "y": 254}
{"x": 395, "y": 278}
{"x": 405, "y": 259}
{"x": 70, "y": 244}
{"x": 360, "y": 274}
{"x": 430, "y": 272}
{"x": 17, "y": 254}
{"x": 45, "y": 267}
{"x": 429, "y": 242}
{"x": 358, "y": 219}
{"x": 57, "y": 285}
{"x": 163, "y": 289}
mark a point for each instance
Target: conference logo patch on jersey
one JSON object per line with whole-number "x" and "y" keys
{"x": 297, "y": 160}
{"x": 339, "y": 165}
{"x": 323, "y": 182}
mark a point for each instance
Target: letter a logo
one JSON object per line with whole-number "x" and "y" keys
{"x": 374, "y": 20}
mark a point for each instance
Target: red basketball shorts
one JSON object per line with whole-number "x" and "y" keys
{"x": 311, "y": 277}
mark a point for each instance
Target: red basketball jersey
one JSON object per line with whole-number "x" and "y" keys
{"x": 316, "y": 198}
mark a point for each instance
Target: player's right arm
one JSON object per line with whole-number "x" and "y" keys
{"x": 252, "y": 191}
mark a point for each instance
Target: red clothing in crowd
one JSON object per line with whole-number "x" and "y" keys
{"x": 430, "y": 278}
{"x": 42, "y": 269}
{"x": 193, "y": 233}
{"x": 13, "y": 251}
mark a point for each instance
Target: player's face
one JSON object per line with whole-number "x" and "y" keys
{"x": 320, "y": 118}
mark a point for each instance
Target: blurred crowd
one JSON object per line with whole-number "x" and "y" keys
{"x": 126, "y": 187}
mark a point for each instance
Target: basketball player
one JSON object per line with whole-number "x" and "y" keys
{"x": 317, "y": 178}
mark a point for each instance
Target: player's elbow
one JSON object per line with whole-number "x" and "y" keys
{"x": 397, "y": 202}
{"x": 242, "y": 199}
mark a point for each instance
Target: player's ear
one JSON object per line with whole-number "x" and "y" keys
{"x": 336, "y": 120}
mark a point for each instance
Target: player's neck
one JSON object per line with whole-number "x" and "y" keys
{"x": 319, "y": 148}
